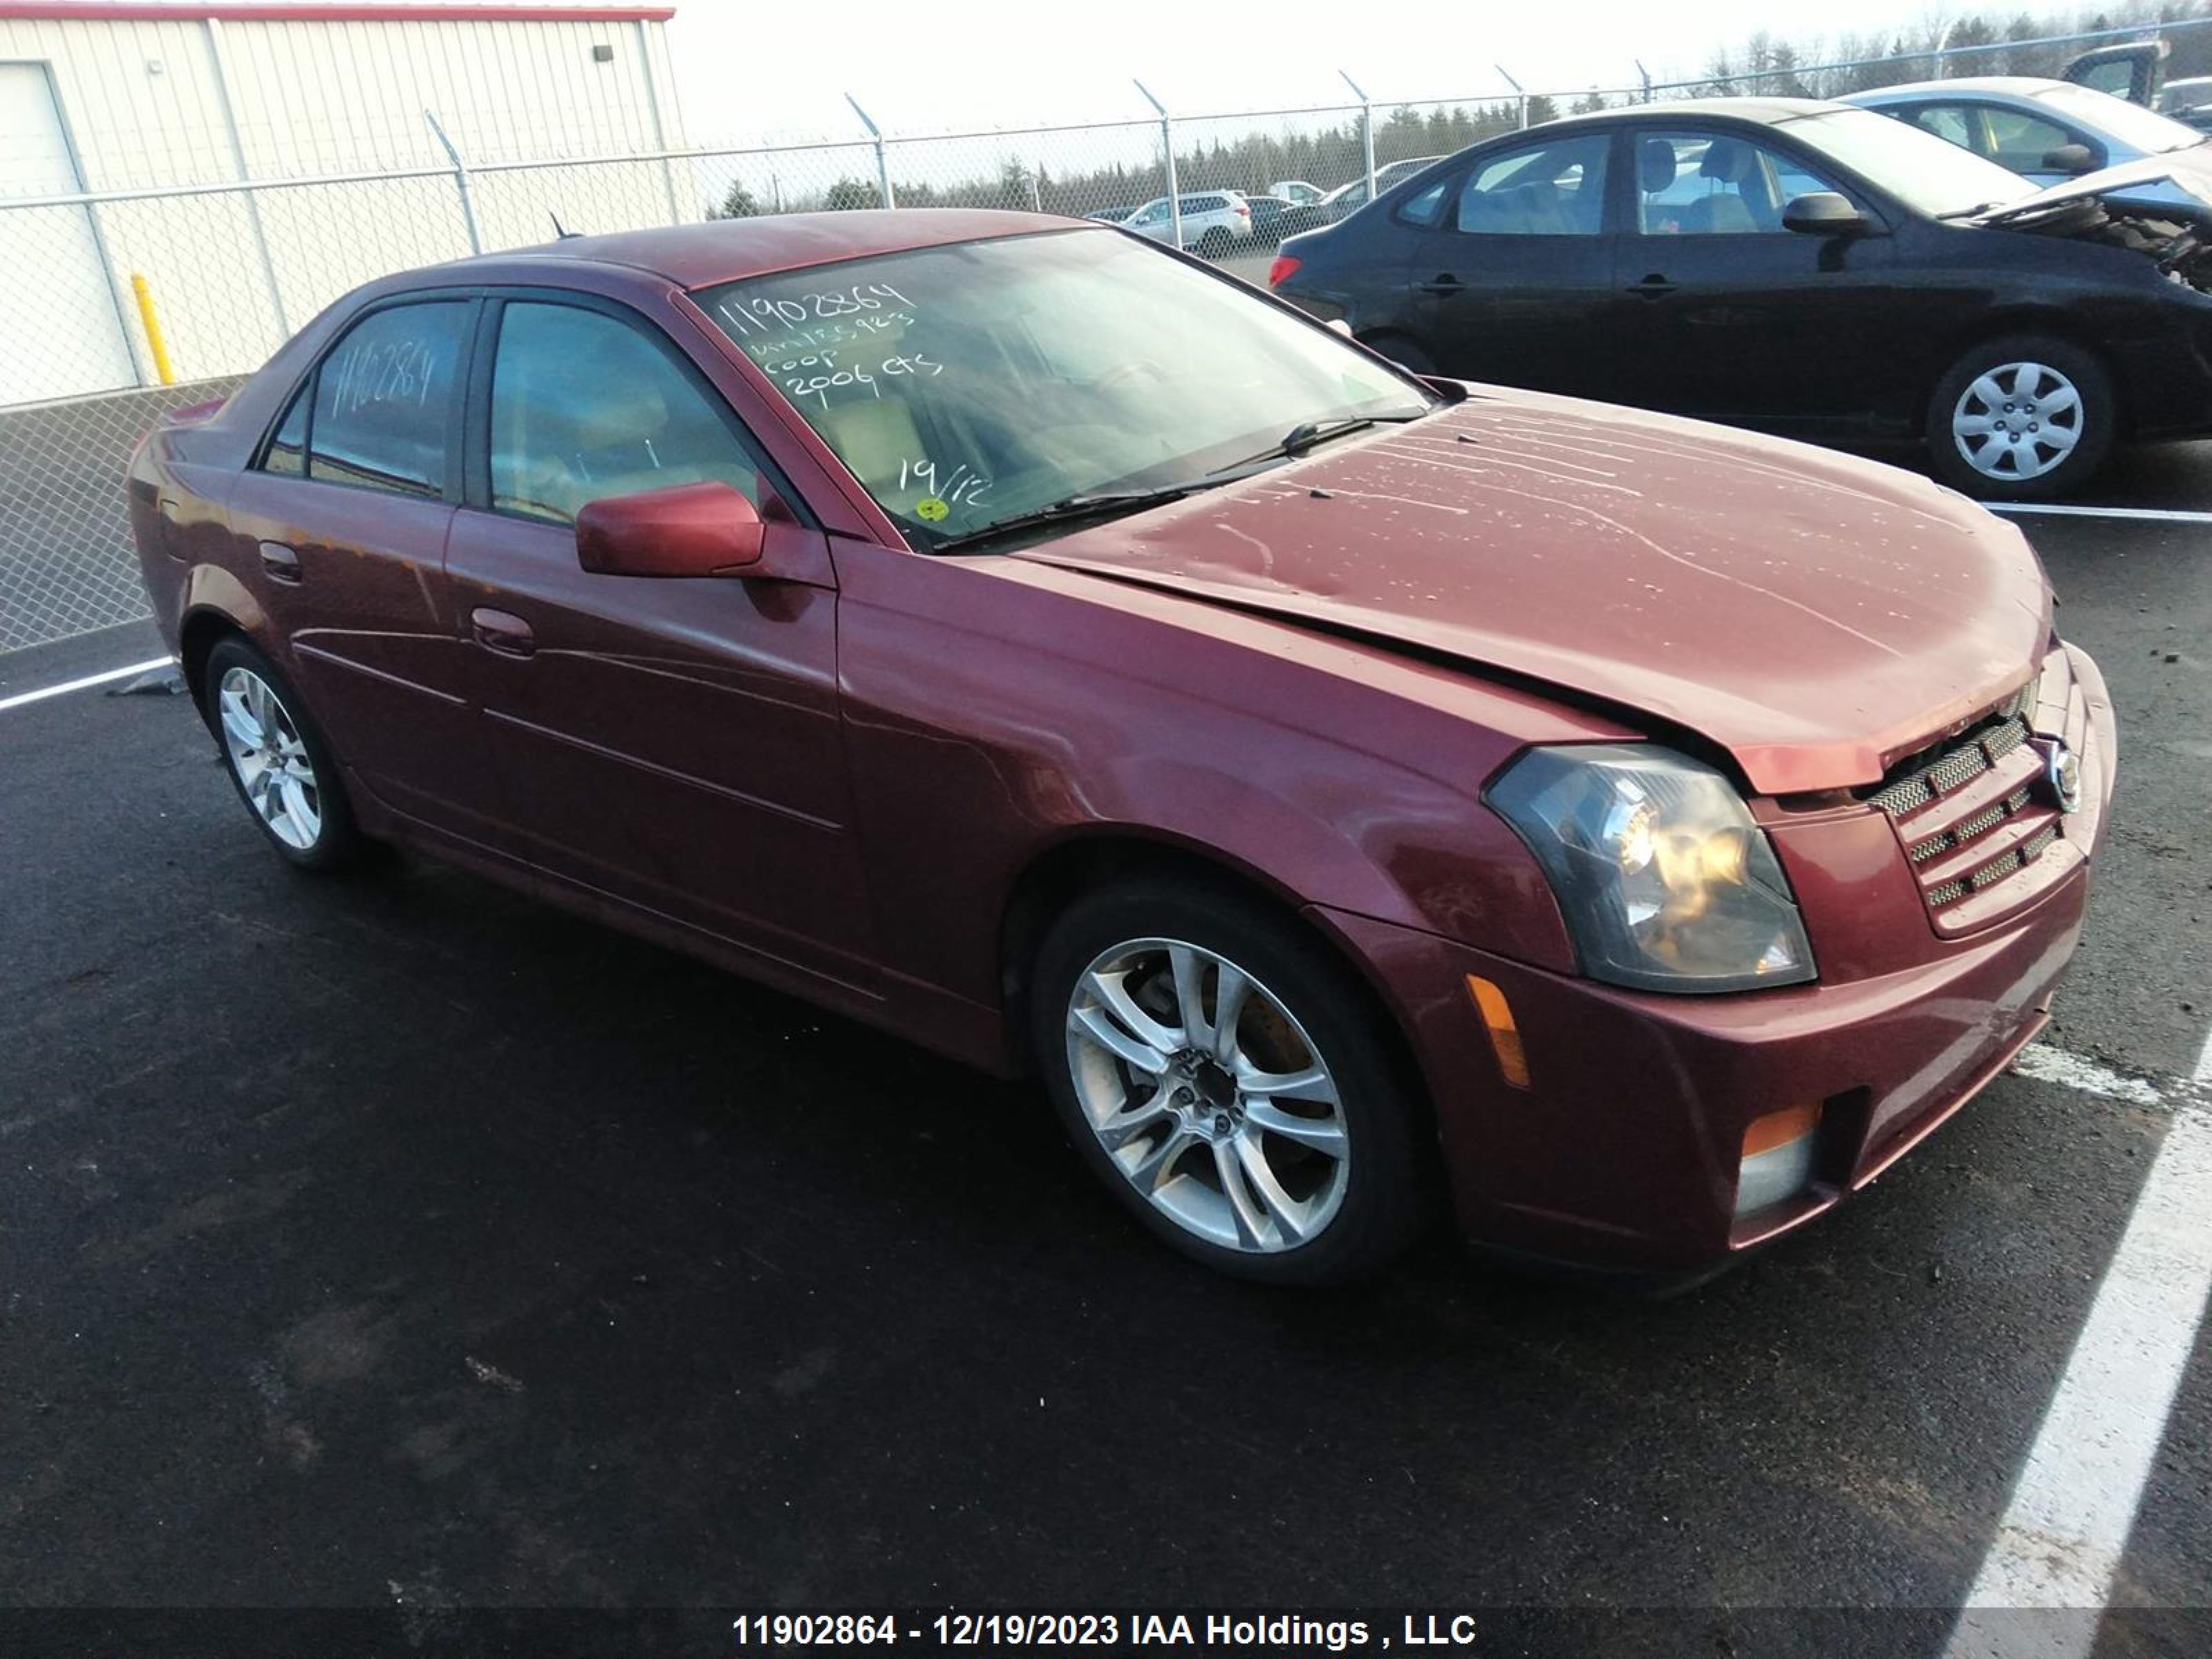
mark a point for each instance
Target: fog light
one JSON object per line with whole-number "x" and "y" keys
{"x": 1777, "y": 1157}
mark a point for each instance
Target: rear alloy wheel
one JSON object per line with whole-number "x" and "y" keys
{"x": 1222, "y": 1075}
{"x": 2024, "y": 419}
{"x": 276, "y": 759}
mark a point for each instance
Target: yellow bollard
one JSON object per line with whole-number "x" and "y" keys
{"x": 155, "y": 343}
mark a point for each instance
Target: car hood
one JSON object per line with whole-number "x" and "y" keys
{"x": 1817, "y": 617}
{"x": 2181, "y": 180}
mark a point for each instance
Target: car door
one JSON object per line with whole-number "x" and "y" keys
{"x": 347, "y": 505}
{"x": 674, "y": 743}
{"x": 1511, "y": 276}
{"x": 1727, "y": 315}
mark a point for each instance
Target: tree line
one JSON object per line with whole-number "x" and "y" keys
{"x": 1975, "y": 43}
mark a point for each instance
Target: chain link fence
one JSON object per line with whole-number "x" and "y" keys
{"x": 142, "y": 299}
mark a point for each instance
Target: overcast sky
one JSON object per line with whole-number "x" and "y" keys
{"x": 745, "y": 69}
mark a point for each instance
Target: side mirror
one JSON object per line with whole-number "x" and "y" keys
{"x": 687, "y": 530}
{"x": 2073, "y": 159}
{"x": 1823, "y": 212}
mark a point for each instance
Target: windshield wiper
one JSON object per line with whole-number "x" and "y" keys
{"x": 1099, "y": 503}
{"x": 1306, "y": 433}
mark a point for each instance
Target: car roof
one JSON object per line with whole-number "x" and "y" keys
{"x": 725, "y": 250}
{"x": 2015, "y": 86}
{"x": 1764, "y": 111}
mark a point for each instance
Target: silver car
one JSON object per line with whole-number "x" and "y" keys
{"x": 2047, "y": 131}
{"x": 1213, "y": 221}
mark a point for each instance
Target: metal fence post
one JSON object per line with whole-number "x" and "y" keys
{"x": 220, "y": 60}
{"x": 1167, "y": 144}
{"x": 882, "y": 162}
{"x": 1645, "y": 75}
{"x": 1366, "y": 128}
{"x": 460, "y": 183}
{"x": 1519, "y": 96}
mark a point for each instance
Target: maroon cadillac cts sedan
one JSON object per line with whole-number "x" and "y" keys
{"x": 1346, "y": 790}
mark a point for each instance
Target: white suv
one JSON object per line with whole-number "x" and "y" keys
{"x": 1213, "y": 221}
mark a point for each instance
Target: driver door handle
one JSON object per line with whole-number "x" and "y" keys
{"x": 1442, "y": 283}
{"x": 1652, "y": 287}
{"x": 504, "y": 632}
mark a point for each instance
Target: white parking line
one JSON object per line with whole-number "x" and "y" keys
{"x": 2047, "y": 1063}
{"x": 44, "y": 692}
{"x": 2153, "y": 515}
{"x": 2043, "y": 1586}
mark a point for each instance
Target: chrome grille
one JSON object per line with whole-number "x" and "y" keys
{"x": 1971, "y": 794}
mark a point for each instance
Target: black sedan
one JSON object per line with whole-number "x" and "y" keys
{"x": 1799, "y": 266}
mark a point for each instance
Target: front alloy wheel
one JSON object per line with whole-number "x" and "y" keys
{"x": 1232, "y": 1080}
{"x": 1207, "y": 1095}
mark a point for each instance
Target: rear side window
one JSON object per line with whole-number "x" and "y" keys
{"x": 585, "y": 406}
{"x": 288, "y": 450}
{"x": 385, "y": 401}
{"x": 1554, "y": 189}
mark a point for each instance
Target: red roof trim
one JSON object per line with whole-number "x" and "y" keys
{"x": 135, "y": 11}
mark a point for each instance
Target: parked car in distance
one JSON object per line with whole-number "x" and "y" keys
{"x": 1296, "y": 191}
{"x": 1213, "y": 221}
{"x": 2047, "y": 131}
{"x": 1812, "y": 269}
{"x": 1268, "y": 213}
{"x": 1338, "y": 787}
{"x": 1348, "y": 199}
{"x": 2188, "y": 101}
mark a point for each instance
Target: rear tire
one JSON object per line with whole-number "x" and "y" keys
{"x": 1287, "y": 1152}
{"x": 277, "y": 759}
{"x": 2027, "y": 418}
{"x": 1401, "y": 351}
{"x": 1213, "y": 243}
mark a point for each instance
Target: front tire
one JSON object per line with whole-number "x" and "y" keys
{"x": 1278, "y": 1144}
{"x": 278, "y": 762}
{"x": 2023, "y": 418}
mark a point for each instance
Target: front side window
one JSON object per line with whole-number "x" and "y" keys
{"x": 1701, "y": 183}
{"x": 385, "y": 400}
{"x": 2022, "y": 142}
{"x": 965, "y": 384}
{"x": 585, "y": 406}
{"x": 1555, "y": 189}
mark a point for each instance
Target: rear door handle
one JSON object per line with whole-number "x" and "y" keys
{"x": 1652, "y": 287}
{"x": 504, "y": 632}
{"x": 1442, "y": 283}
{"x": 280, "y": 562}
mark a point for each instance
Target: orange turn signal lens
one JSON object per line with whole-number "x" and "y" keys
{"x": 1764, "y": 1134}
{"x": 1504, "y": 1034}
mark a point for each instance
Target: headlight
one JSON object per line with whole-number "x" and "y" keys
{"x": 1666, "y": 883}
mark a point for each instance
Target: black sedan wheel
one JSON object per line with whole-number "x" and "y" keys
{"x": 2026, "y": 418}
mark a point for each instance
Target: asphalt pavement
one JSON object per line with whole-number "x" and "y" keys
{"x": 397, "y": 1242}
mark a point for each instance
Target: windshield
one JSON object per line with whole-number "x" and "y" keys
{"x": 1929, "y": 174}
{"x": 969, "y": 385}
{"x": 2138, "y": 128}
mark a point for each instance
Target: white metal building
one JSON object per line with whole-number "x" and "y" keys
{"x": 98, "y": 97}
